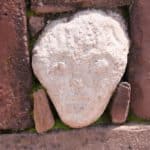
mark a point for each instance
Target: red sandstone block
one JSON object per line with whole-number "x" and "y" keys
{"x": 57, "y": 6}
{"x": 120, "y": 103}
{"x": 15, "y": 72}
{"x": 139, "y": 60}
{"x": 129, "y": 137}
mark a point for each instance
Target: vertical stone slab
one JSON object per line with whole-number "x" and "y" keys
{"x": 42, "y": 113}
{"x": 139, "y": 60}
{"x": 15, "y": 73}
{"x": 120, "y": 103}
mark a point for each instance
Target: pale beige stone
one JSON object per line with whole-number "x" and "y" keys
{"x": 42, "y": 113}
{"x": 80, "y": 62}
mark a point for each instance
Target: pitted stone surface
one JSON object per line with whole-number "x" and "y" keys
{"x": 80, "y": 63}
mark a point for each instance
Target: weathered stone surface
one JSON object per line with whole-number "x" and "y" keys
{"x": 80, "y": 62}
{"x": 139, "y": 62}
{"x": 43, "y": 116}
{"x": 55, "y": 6}
{"x": 15, "y": 73}
{"x": 129, "y": 137}
{"x": 36, "y": 24}
{"x": 120, "y": 103}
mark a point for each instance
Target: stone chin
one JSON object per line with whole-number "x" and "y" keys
{"x": 80, "y": 62}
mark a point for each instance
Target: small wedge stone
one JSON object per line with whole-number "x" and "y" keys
{"x": 42, "y": 113}
{"x": 36, "y": 24}
{"x": 120, "y": 103}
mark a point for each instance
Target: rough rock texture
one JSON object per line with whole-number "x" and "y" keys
{"x": 129, "y": 137}
{"x": 80, "y": 63}
{"x": 15, "y": 73}
{"x": 55, "y": 6}
{"x": 120, "y": 103}
{"x": 139, "y": 62}
{"x": 43, "y": 116}
{"x": 36, "y": 24}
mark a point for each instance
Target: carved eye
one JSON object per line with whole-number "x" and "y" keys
{"x": 60, "y": 66}
{"x": 101, "y": 65}
{"x": 57, "y": 67}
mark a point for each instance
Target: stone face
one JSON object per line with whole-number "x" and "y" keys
{"x": 129, "y": 137}
{"x": 55, "y": 6}
{"x": 42, "y": 114}
{"x": 120, "y": 103}
{"x": 36, "y": 24}
{"x": 139, "y": 62}
{"x": 80, "y": 62}
{"x": 15, "y": 71}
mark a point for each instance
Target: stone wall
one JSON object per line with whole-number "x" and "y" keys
{"x": 25, "y": 105}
